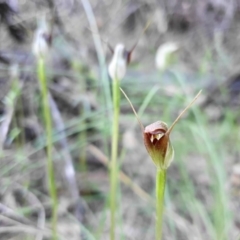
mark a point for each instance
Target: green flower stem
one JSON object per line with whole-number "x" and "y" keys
{"x": 49, "y": 146}
{"x": 114, "y": 154}
{"x": 160, "y": 187}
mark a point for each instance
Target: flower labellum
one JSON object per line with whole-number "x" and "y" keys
{"x": 158, "y": 144}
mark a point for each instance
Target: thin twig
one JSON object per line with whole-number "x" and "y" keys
{"x": 69, "y": 173}
{"x": 123, "y": 177}
{"x": 26, "y": 229}
{"x": 41, "y": 211}
{"x": 33, "y": 200}
{"x": 4, "y": 128}
{"x": 10, "y": 213}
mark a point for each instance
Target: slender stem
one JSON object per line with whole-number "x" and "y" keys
{"x": 114, "y": 163}
{"x": 160, "y": 187}
{"x": 48, "y": 127}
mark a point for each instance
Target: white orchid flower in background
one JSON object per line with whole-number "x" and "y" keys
{"x": 164, "y": 52}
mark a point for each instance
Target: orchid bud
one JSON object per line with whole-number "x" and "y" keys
{"x": 118, "y": 65}
{"x": 163, "y": 54}
{"x": 158, "y": 144}
{"x": 42, "y": 39}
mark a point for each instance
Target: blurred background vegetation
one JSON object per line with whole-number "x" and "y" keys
{"x": 203, "y": 183}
